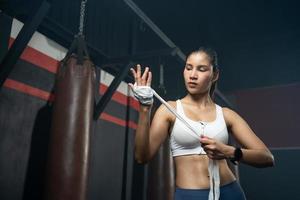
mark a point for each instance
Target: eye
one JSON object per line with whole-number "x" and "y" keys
{"x": 202, "y": 68}
{"x": 188, "y": 67}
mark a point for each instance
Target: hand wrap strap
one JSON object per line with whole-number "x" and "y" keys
{"x": 143, "y": 94}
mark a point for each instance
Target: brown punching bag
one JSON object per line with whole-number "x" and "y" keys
{"x": 161, "y": 183}
{"x": 67, "y": 167}
{"x": 161, "y": 175}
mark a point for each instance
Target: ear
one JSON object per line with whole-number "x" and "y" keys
{"x": 215, "y": 75}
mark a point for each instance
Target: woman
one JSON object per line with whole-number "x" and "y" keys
{"x": 193, "y": 155}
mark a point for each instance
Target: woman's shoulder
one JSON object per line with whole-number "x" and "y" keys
{"x": 172, "y": 103}
{"x": 226, "y": 110}
{"x": 165, "y": 111}
{"x": 230, "y": 115}
{"x": 229, "y": 112}
{"x": 163, "y": 107}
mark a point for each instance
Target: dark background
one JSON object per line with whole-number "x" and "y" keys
{"x": 258, "y": 45}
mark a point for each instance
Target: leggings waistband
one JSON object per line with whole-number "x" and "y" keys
{"x": 230, "y": 191}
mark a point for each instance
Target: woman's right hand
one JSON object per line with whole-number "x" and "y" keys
{"x": 141, "y": 80}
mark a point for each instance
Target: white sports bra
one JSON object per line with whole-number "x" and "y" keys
{"x": 183, "y": 143}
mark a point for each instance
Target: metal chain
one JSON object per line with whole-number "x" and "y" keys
{"x": 82, "y": 15}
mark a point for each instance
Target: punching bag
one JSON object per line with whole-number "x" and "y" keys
{"x": 161, "y": 183}
{"x": 67, "y": 167}
{"x": 161, "y": 175}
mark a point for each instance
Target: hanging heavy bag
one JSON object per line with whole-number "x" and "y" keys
{"x": 67, "y": 167}
{"x": 71, "y": 128}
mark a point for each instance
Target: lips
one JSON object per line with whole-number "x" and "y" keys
{"x": 192, "y": 84}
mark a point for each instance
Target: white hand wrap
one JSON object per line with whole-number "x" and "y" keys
{"x": 214, "y": 180}
{"x": 144, "y": 94}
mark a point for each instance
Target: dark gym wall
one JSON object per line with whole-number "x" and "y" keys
{"x": 277, "y": 183}
{"x": 273, "y": 114}
{"x": 108, "y": 22}
{"x": 5, "y": 24}
{"x": 257, "y": 46}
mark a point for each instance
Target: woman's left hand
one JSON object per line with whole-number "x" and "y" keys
{"x": 216, "y": 150}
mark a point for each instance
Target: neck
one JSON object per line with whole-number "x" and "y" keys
{"x": 201, "y": 100}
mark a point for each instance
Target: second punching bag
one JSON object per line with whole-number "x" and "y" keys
{"x": 67, "y": 168}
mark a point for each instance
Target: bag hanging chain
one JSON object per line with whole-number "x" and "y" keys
{"x": 82, "y": 15}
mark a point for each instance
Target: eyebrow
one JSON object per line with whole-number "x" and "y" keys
{"x": 202, "y": 66}
{"x": 187, "y": 64}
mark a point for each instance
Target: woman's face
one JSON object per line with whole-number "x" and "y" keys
{"x": 198, "y": 73}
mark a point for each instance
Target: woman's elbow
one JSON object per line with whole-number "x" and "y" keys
{"x": 141, "y": 159}
{"x": 269, "y": 160}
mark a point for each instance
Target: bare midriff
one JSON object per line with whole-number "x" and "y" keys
{"x": 192, "y": 172}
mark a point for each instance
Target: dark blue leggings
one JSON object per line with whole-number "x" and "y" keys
{"x": 231, "y": 191}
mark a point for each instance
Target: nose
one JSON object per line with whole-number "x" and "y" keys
{"x": 193, "y": 74}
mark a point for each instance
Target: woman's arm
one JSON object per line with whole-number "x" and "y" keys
{"x": 149, "y": 138}
{"x": 255, "y": 152}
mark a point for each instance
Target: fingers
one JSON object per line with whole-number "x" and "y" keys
{"x": 144, "y": 76}
{"x": 215, "y": 157}
{"x": 213, "y": 154}
{"x": 212, "y": 150}
{"x": 149, "y": 80}
{"x": 209, "y": 147}
{"x": 139, "y": 78}
{"x": 205, "y": 140}
{"x": 134, "y": 74}
{"x": 131, "y": 85}
{"x": 138, "y": 74}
